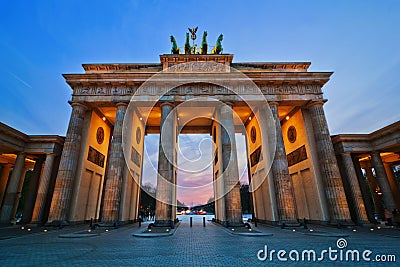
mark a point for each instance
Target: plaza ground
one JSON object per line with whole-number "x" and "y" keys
{"x": 188, "y": 246}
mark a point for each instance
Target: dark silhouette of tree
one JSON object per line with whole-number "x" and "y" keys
{"x": 147, "y": 196}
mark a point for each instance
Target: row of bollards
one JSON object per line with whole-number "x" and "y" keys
{"x": 191, "y": 221}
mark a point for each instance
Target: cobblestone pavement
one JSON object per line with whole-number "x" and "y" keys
{"x": 197, "y": 246}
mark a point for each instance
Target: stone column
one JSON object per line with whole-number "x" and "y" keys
{"x": 377, "y": 201}
{"x": 280, "y": 172}
{"x": 334, "y": 191}
{"x": 165, "y": 202}
{"x": 68, "y": 164}
{"x": 115, "y": 170}
{"x": 230, "y": 169}
{"x": 32, "y": 191}
{"x": 11, "y": 196}
{"x": 382, "y": 180}
{"x": 355, "y": 188}
{"x": 3, "y": 181}
{"x": 124, "y": 193}
{"x": 393, "y": 183}
{"x": 365, "y": 190}
{"x": 44, "y": 183}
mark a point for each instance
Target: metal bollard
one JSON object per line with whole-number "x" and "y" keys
{"x": 140, "y": 222}
{"x": 191, "y": 221}
{"x": 204, "y": 221}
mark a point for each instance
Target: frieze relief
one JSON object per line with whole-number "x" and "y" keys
{"x": 199, "y": 89}
{"x": 290, "y": 89}
{"x": 104, "y": 90}
{"x": 196, "y": 67}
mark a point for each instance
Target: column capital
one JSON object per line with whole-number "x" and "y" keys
{"x": 122, "y": 104}
{"x": 77, "y": 104}
{"x": 39, "y": 157}
{"x": 375, "y": 152}
{"x": 166, "y": 103}
{"x": 316, "y": 103}
{"x": 273, "y": 103}
{"x": 345, "y": 153}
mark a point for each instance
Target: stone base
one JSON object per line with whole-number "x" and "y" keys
{"x": 152, "y": 231}
{"x": 274, "y": 223}
{"x": 342, "y": 223}
{"x": 58, "y": 223}
{"x": 164, "y": 223}
{"x": 230, "y": 224}
{"x": 289, "y": 223}
{"x": 96, "y": 223}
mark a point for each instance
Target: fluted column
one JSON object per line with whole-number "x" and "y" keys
{"x": 280, "y": 172}
{"x": 44, "y": 183}
{"x": 394, "y": 185}
{"x": 11, "y": 196}
{"x": 5, "y": 173}
{"x": 230, "y": 169}
{"x": 382, "y": 179}
{"x": 115, "y": 170}
{"x": 365, "y": 190}
{"x": 166, "y": 169}
{"x": 32, "y": 191}
{"x": 333, "y": 184}
{"x": 19, "y": 190}
{"x": 355, "y": 188}
{"x": 68, "y": 165}
{"x": 377, "y": 201}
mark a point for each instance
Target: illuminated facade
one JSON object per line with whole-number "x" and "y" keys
{"x": 20, "y": 153}
{"x": 291, "y": 158}
{"x": 104, "y": 90}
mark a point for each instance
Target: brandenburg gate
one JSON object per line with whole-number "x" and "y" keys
{"x": 278, "y": 106}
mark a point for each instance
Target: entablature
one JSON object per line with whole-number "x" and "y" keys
{"x": 385, "y": 139}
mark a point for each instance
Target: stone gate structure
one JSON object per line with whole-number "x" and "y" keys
{"x": 300, "y": 180}
{"x": 304, "y": 181}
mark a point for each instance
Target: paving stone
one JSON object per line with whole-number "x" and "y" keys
{"x": 188, "y": 246}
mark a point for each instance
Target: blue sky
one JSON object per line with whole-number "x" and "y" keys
{"x": 358, "y": 40}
